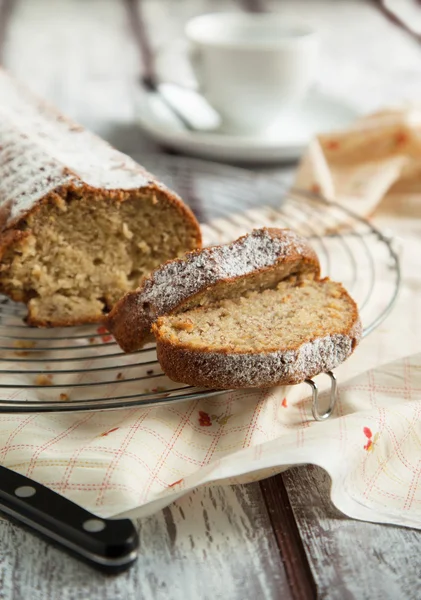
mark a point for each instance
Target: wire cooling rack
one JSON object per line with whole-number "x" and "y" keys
{"x": 82, "y": 368}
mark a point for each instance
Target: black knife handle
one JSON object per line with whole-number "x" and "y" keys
{"x": 107, "y": 544}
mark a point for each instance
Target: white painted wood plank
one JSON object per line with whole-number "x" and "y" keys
{"x": 365, "y": 59}
{"x": 351, "y": 559}
{"x": 214, "y": 544}
{"x": 81, "y": 57}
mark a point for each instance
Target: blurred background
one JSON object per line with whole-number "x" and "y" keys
{"x": 88, "y": 56}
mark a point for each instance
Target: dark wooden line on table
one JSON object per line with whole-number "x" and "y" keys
{"x": 289, "y": 541}
{"x": 6, "y": 8}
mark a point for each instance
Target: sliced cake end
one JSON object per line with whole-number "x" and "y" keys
{"x": 268, "y": 337}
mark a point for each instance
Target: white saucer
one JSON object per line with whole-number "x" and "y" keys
{"x": 285, "y": 142}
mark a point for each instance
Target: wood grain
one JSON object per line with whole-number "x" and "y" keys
{"x": 350, "y": 559}
{"x": 302, "y": 583}
{"x": 6, "y": 7}
{"x": 219, "y": 544}
{"x": 213, "y": 544}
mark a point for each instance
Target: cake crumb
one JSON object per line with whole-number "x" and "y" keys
{"x": 43, "y": 379}
{"x": 23, "y": 344}
{"x": 184, "y": 325}
{"x": 105, "y": 335}
{"x": 144, "y": 247}
{"x": 59, "y": 202}
{"x": 37, "y": 271}
{"x": 64, "y": 397}
{"x": 120, "y": 376}
{"x": 126, "y": 232}
{"x": 149, "y": 372}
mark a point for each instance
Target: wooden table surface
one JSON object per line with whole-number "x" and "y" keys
{"x": 281, "y": 538}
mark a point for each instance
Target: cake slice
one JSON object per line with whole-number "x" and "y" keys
{"x": 253, "y": 313}
{"x": 256, "y": 261}
{"x": 81, "y": 224}
{"x": 261, "y": 338}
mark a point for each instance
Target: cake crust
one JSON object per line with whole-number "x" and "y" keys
{"x": 43, "y": 152}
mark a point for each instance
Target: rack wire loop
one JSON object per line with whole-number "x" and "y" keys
{"x": 315, "y": 408}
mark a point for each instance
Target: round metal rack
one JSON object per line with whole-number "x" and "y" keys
{"x": 82, "y": 368}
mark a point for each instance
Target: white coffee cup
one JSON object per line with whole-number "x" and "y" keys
{"x": 252, "y": 68}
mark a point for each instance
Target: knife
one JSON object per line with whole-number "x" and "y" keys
{"x": 106, "y": 544}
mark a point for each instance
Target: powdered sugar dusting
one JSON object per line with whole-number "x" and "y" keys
{"x": 40, "y": 150}
{"x": 177, "y": 280}
{"x": 242, "y": 370}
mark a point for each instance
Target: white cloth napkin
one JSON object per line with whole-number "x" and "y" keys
{"x": 137, "y": 461}
{"x": 377, "y": 158}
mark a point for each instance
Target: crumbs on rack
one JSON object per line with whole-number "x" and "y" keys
{"x": 25, "y": 345}
{"x": 105, "y": 334}
{"x": 43, "y": 379}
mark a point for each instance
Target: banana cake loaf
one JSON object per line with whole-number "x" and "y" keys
{"x": 81, "y": 224}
